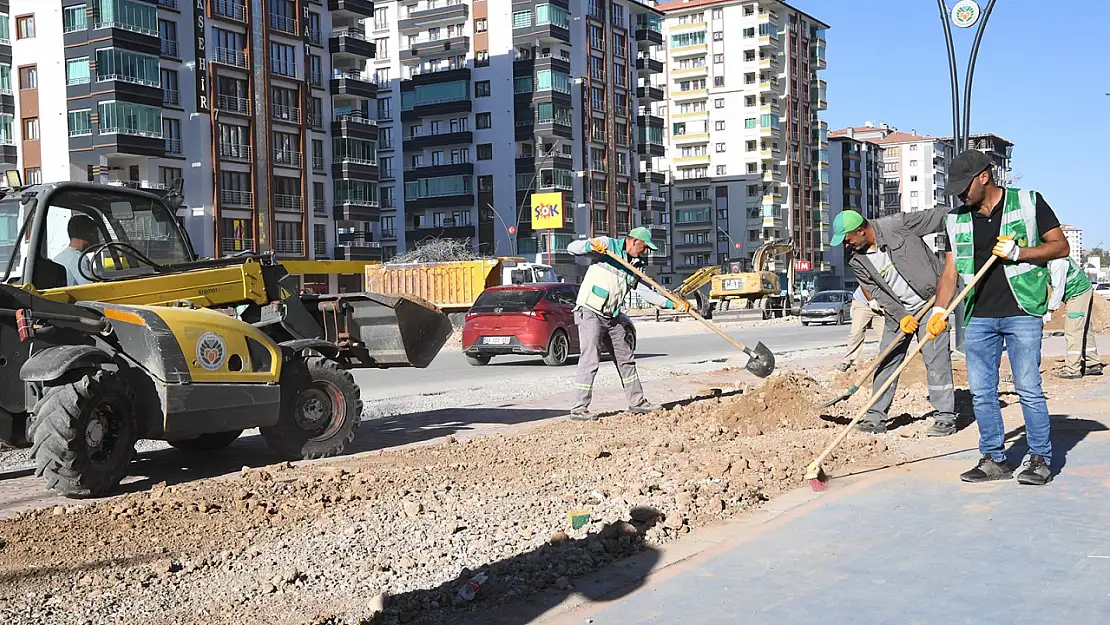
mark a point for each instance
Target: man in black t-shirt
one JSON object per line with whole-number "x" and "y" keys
{"x": 1005, "y": 308}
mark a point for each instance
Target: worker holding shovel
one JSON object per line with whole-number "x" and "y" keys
{"x": 597, "y": 311}
{"x": 891, "y": 260}
{"x": 1004, "y": 309}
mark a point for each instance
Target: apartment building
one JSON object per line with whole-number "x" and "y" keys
{"x": 451, "y": 75}
{"x": 1075, "y": 240}
{"x": 747, "y": 151}
{"x": 855, "y": 183}
{"x": 914, "y": 171}
{"x": 999, "y": 149}
{"x": 261, "y": 107}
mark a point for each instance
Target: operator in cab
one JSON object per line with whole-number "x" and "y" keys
{"x": 82, "y": 234}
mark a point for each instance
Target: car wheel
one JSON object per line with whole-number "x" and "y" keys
{"x": 805, "y": 323}
{"x": 558, "y": 350}
{"x": 843, "y": 319}
{"x": 480, "y": 360}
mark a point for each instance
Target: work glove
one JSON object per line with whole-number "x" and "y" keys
{"x": 1047, "y": 316}
{"x": 681, "y": 306}
{"x": 908, "y": 324}
{"x": 874, "y": 305}
{"x": 938, "y": 322}
{"x": 1007, "y": 248}
{"x": 599, "y": 245}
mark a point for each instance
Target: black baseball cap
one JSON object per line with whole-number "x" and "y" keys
{"x": 963, "y": 170}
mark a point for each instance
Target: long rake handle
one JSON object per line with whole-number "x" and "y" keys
{"x": 909, "y": 358}
{"x": 893, "y": 345}
{"x": 675, "y": 299}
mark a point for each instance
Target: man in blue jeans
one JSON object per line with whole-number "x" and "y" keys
{"x": 1005, "y": 308}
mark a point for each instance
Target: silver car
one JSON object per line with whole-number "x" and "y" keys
{"x": 828, "y": 307}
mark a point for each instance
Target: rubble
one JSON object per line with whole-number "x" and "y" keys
{"x": 437, "y": 251}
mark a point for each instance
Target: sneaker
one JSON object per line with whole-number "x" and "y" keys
{"x": 1036, "y": 472}
{"x": 988, "y": 470}
{"x": 1097, "y": 370}
{"x": 871, "y": 427}
{"x": 1068, "y": 375}
{"x": 644, "y": 408}
{"x": 844, "y": 366}
{"x": 941, "y": 428}
{"x": 582, "y": 414}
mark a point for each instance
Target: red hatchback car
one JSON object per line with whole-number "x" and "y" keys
{"x": 536, "y": 319}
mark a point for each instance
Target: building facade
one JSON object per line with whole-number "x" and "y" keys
{"x": 262, "y": 107}
{"x": 1000, "y": 150}
{"x": 855, "y": 183}
{"x": 1075, "y": 240}
{"x": 914, "y": 171}
{"x": 747, "y": 151}
{"x": 575, "y": 83}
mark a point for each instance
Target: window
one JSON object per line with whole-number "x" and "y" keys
{"x": 913, "y": 163}
{"x": 381, "y": 18}
{"x": 126, "y": 66}
{"x": 718, "y": 58}
{"x": 80, "y": 123}
{"x": 720, "y": 147}
{"x": 126, "y": 118}
{"x": 381, "y": 76}
{"x": 167, "y": 33}
{"x": 283, "y": 59}
{"x": 485, "y": 183}
{"x": 171, "y": 133}
{"x": 719, "y": 124}
{"x": 718, "y": 14}
{"x": 74, "y": 19}
{"x": 385, "y": 109}
{"x": 481, "y": 25}
{"x": 166, "y": 175}
{"x": 522, "y": 19}
{"x": 31, "y": 129}
{"x": 749, "y": 33}
{"x": 481, "y": 58}
{"x": 381, "y": 48}
{"x": 913, "y": 147}
{"x": 29, "y": 77}
{"x": 720, "y": 170}
{"x": 913, "y": 178}
{"x": 551, "y": 14}
{"x": 170, "y": 93}
{"x": 131, "y": 15}
{"x": 718, "y": 81}
{"x": 483, "y": 121}
{"x": 485, "y": 151}
{"x": 77, "y": 71}
{"x": 481, "y": 89}
{"x": 25, "y": 27}
{"x": 718, "y": 36}
{"x": 719, "y": 103}
{"x": 913, "y": 193}
{"x": 32, "y": 175}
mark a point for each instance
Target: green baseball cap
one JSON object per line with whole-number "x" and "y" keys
{"x": 844, "y": 223}
{"x": 643, "y": 234}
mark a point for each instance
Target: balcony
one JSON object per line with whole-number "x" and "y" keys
{"x": 288, "y": 158}
{"x": 234, "y": 10}
{"x": 437, "y": 107}
{"x": 698, "y": 49}
{"x": 351, "y": 8}
{"x": 646, "y": 66}
{"x": 688, "y": 244}
{"x": 283, "y": 69}
{"x": 652, "y": 148}
{"x": 173, "y": 147}
{"x": 357, "y": 246}
{"x": 697, "y": 71}
{"x": 230, "y": 245}
{"x": 288, "y": 114}
{"x": 435, "y": 48}
{"x": 690, "y": 138}
{"x": 233, "y": 104}
{"x": 647, "y": 36}
{"x": 169, "y": 48}
{"x": 355, "y": 126}
{"x": 288, "y": 203}
{"x": 652, "y": 177}
{"x": 442, "y": 139}
{"x": 356, "y": 208}
{"x": 689, "y": 95}
{"x": 350, "y": 43}
{"x": 652, "y": 203}
{"x": 285, "y": 25}
{"x": 429, "y": 18}
{"x": 169, "y": 4}
{"x": 353, "y": 83}
{"x": 236, "y": 199}
{"x": 653, "y": 121}
{"x": 318, "y": 165}
{"x": 319, "y": 207}
{"x": 691, "y": 161}
{"x": 542, "y": 34}
{"x": 817, "y": 57}
{"x": 235, "y": 152}
{"x": 288, "y": 247}
{"x": 446, "y": 199}
{"x": 227, "y": 56}
{"x": 171, "y": 97}
{"x": 649, "y": 93}
{"x": 353, "y": 168}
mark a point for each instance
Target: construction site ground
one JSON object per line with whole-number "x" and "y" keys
{"x": 388, "y": 535}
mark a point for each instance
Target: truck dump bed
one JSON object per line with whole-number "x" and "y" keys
{"x": 453, "y": 287}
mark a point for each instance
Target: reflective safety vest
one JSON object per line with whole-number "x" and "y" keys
{"x": 606, "y": 283}
{"x": 1028, "y": 282}
{"x": 1077, "y": 282}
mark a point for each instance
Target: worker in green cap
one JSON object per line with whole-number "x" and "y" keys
{"x": 891, "y": 260}
{"x": 597, "y": 313}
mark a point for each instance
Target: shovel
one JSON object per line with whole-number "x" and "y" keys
{"x": 761, "y": 362}
{"x": 875, "y": 365}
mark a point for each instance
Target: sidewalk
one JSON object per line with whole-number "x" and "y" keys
{"x": 910, "y": 544}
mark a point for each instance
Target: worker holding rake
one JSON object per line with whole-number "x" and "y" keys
{"x": 1072, "y": 288}
{"x": 891, "y": 260}
{"x": 1004, "y": 309}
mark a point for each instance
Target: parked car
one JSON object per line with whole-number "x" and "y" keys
{"x": 828, "y": 307}
{"x": 527, "y": 319}
{"x": 1103, "y": 289}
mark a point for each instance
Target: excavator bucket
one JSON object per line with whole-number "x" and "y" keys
{"x": 383, "y": 330}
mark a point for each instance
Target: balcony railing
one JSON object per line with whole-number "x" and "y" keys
{"x": 235, "y": 152}
{"x": 290, "y": 114}
{"x": 229, "y": 197}
{"x": 169, "y": 48}
{"x": 228, "y": 244}
{"x": 284, "y": 24}
{"x": 288, "y": 158}
{"x": 319, "y": 206}
{"x": 356, "y": 160}
{"x": 317, "y": 79}
{"x": 233, "y": 104}
{"x": 282, "y": 68}
{"x": 318, "y": 164}
{"x": 288, "y": 204}
{"x": 315, "y": 120}
{"x": 227, "y": 56}
{"x": 173, "y": 146}
{"x": 171, "y": 97}
{"x": 357, "y": 118}
{"x": 169, "y": 4}
{"x": 294, "y": 248}
{"x": 231, "y": 9}
{"x": 320, "y": 248}
{"x": 356, "y": 33}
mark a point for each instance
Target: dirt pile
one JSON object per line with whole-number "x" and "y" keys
{"x": 1100, "y": 317}
{"x": 785, "y": 400}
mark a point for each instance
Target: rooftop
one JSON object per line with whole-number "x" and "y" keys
{"x": 904, "y": 137}
{"x": 681, "y": 5}
{"x": 985, "y": 135}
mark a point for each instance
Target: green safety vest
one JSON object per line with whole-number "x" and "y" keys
{"x": 606, "y": 283}
{"x": 1077, "y": 282}
{"x": 1028, "y": 282}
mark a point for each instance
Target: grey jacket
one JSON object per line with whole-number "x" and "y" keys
{"x": 900, "y": 235}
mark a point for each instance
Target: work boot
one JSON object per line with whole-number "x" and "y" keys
{"x": 582, "y": 414}
{"x": 871, "y": 427}
{"x": 941, "y": 427}
{"x": 1068, "y": 375}
{"x": 844, "y": 366}
{"x": 1095, "y": 370}
{"x": 988, "y": 470}
{"x": 1036, "y": 472}
{"x": 644, "y": 408}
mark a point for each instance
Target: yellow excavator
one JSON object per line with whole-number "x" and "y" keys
{"x": 763, "y": 288}
{"x": 112, "y": 330}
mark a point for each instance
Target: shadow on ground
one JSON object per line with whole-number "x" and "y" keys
{"x": 1067, "y": 433}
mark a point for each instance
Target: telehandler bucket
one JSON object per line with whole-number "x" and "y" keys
{"x": 383, "y": 330}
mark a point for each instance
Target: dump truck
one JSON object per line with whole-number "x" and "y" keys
{"x": 112, "y": 330}
{"x": 454, "y": 286}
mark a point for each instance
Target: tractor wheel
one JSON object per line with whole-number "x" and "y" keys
{"x": 320, "y": 410}
{"x": 83, "y": 433}
{"x": 213, "y": 441}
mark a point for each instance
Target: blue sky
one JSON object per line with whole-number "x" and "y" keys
{"x": 1040, "y": 81}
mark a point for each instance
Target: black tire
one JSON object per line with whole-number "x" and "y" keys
{"x": 558, "y": 349}
{"x": 83, "y": 433}
{"x": 480, "y": 360}
{"x": 321, "y": 410}
{"x": 805, "y": 323}
{"x": 213, "y": 441}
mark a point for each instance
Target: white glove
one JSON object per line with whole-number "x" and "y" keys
{"x": 1007, "y": 248}
{"x": 874, "y": 305}
{"x": 1048, "y": 316}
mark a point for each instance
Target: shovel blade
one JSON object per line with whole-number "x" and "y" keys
{"x": 761, "y": 362}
